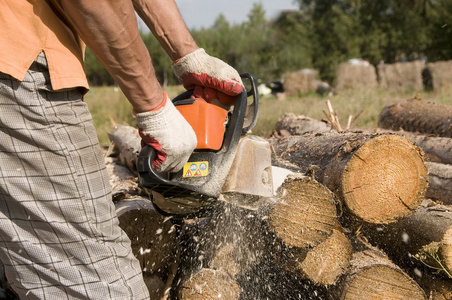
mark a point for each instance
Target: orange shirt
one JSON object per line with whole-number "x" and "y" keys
{"x": 31, "y": 26}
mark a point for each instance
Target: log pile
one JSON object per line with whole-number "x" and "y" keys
{"x": 366, "y": 214}
{"x": 415, "y": 115}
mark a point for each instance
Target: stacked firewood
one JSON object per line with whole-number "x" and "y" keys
{"x": 364, "y": 214}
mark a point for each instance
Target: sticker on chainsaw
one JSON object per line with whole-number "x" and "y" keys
{"x": 196, "y": 169}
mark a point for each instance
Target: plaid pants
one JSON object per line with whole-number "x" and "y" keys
{"x": 59, "y": 234}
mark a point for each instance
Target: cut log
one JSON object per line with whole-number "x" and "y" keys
{"x": 425, "y": 234}
{"x": 372, "y": 275}
{"x": 325, "y": 263}
{"x": 304, "y": 221}
{"x": 128, "y": 143}
{"x": 208, "y": 284}
{"x": 436, "y": 149}
{"x": 290, "y": 124}
{"x": 153, "y": 237}
{"x": 440, "y": 183}
{"x": 380, "y": 178}
{"x": 304, "y": 214}
{"x": 232, "y": 253}
{"x": 417, "y": 116}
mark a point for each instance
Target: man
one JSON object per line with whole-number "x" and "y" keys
{"x": 59, "y": 235}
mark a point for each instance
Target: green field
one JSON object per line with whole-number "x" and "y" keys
{"x": 109, "y": 106}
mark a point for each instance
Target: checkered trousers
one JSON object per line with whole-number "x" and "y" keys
{"x": 59, "y": 234}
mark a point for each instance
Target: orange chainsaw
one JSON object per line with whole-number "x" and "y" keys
{"x": 227, "y": 164}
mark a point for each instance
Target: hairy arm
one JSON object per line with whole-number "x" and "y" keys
{"x": 164, "y": 20}
{"x": 109, "y": 29}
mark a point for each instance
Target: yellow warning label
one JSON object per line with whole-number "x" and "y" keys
{"x": 196, "y": 169}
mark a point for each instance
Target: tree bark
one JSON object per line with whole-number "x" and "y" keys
{"x": 439, "y": 182}
{"x": 128, "y": 144}
{"x": 417, "y": 116}
{"x": 380, "y": 178}
{"x": 436, "y": 149}
{"x": 290, "y": 124}
{"x": 425, "y": 234}
{"x": 123, "y": 182}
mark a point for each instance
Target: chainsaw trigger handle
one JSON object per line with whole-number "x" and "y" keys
{"x": 146, "y": 159}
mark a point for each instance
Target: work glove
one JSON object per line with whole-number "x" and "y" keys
{"x": 211, "y": 78}
{"x": 167, "y": 131}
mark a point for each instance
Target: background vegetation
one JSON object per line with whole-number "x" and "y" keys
{"x": 320, "y": 35}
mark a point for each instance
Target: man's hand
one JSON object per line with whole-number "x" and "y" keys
{"x": 167, "y": 131}
{"x": 210, "y": 77}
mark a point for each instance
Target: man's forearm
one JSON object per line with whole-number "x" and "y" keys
{"x": 109, "y": 28}
{"x": 164, "y": 20}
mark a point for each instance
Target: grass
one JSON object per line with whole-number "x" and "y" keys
{"x": 368, "y": 104}
{"x": 108, "y": 106}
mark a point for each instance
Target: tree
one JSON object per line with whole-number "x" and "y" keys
{"x": 440, "y": 28}
{"x": 291, "y": 37}
{"x": 373, "y": 30}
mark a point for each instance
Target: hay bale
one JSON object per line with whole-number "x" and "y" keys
{"x": 300, "y": 82}
{"x": 437, "y": 76}
{"x": 406, "y": 76}
{"x": 355, "y": 73}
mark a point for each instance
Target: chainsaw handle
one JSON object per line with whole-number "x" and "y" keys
{"x": 254, "y": 106}
{"x": 251, "y": 109}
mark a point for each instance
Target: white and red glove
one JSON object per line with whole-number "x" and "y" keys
{"x": 167, "y": 131}
{"x": 210, "y": 78}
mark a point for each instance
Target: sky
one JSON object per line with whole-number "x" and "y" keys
{"x": 203, "y": 13}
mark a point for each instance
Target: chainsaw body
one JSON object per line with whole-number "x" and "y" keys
{"x": 200, "y": 183}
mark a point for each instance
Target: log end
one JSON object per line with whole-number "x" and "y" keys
{"x": 383, "y": 282}
{"x": 328, "y": 261}
{"x": 372, "y": 275}
{"x": 385, "y": 180}
{"x": 209, "y": 284}
{"x": 305, "y": 213}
